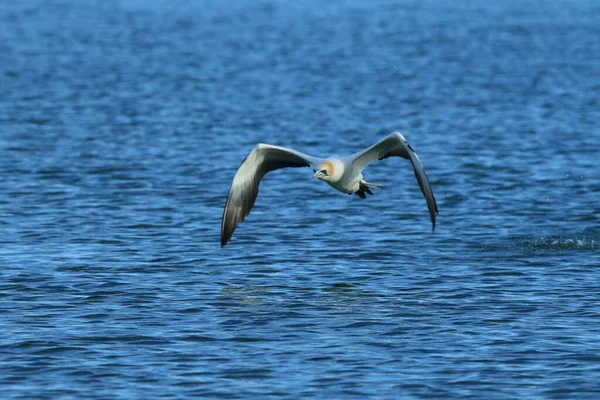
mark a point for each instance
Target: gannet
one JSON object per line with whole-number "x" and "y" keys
{"x": 341, "y": 173}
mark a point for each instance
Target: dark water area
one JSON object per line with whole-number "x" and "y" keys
{"x": 122, "y": 124}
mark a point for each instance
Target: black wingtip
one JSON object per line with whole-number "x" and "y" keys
{"x": 224, "y": 237}
{"x": 224, "y": 240}
{"x": 433, "y": 220}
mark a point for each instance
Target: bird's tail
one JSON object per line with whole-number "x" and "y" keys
{"x": 365, "y": 187}
{"x": 371, "y": 185}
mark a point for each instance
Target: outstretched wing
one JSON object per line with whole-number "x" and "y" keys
{"x": 396, "y": 145}
{"x": 262, "y": 159}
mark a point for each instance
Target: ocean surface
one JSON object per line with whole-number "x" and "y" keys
{"x": 123, "y": 122}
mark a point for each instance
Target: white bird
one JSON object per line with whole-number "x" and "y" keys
{"x": 343, "y": 174}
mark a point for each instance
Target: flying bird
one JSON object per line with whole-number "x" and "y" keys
{"x": 343, "y": 174}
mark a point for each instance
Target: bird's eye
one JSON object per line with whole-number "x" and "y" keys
{"x": 324, "y": 171}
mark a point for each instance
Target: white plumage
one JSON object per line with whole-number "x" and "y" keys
{"x": 342, "y": 173}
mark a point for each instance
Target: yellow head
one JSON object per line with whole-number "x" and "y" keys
{"x": 323, "y": 171}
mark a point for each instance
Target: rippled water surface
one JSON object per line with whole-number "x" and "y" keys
{"x": 122, "y": 124}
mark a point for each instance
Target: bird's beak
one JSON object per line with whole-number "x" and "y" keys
{"x": 318, "y": 174}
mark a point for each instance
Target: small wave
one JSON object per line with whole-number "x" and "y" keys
{"x": 565, "y": 243}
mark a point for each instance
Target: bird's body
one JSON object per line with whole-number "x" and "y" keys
{"x": 341, "y": 173}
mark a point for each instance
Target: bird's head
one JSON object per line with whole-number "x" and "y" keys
{"x": 323, "y": 171}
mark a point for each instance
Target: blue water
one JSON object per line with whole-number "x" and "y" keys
{"x": 122, "y": 124}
